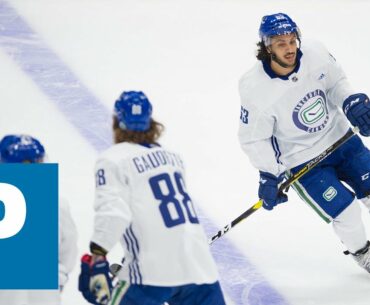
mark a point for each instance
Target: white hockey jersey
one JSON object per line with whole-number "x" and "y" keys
{"x": 141, "y": 200}
{"x": 67, "y": 259}
{"x": 286, "y": 121}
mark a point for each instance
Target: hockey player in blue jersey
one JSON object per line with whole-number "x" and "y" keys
{"x": 141, "y": 200}
{"x": 295, "y": 102}
{"x": 27, "y": 149}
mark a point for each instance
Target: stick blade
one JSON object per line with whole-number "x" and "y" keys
{"x": 114, "y": 269}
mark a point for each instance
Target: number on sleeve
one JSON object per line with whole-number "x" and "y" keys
{"x": 100, "y": 178}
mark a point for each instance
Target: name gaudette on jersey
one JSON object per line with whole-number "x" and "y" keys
{"x": 156, "y": 158}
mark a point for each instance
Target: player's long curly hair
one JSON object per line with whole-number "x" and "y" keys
{"x": 262, "y": 53}
{"x": 148, "y": 137}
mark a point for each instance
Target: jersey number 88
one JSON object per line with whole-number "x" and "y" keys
{"x": 170, "y": 207}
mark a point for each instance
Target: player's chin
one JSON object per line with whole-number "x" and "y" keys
{"x": 290, "y": 61}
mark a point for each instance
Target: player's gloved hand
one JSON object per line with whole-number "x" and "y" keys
{"x": 94, "y": 282}
{"x": 269, "y": 190}
{"x": 357, "y": 109}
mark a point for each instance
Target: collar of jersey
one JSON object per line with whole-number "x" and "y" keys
{"x": 150, "y": 145}
{"x": 272, "y": 74}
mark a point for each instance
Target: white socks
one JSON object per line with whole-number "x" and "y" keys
{"x": 349, "y": 227}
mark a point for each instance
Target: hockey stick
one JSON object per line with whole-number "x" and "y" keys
{"x": 285, "y": 185}
{"x": 114, "y": 269}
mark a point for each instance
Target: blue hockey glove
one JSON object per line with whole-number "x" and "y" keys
{"x": 94, "y": 282}
{"x": 269, "y": 190}
{"x": 357, "y": 109}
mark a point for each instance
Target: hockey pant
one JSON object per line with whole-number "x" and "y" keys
{"x": 331, "y": 189}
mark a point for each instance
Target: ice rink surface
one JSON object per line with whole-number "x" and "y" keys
{"x": 187, "y": 56}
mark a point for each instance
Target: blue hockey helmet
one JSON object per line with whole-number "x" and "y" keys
{"x": 277, "y": 24}
{"x": 133, "y": 111}
{"x": 20, "y": 148}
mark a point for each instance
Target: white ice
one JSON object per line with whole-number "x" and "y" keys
{"x": 188, "y": 56}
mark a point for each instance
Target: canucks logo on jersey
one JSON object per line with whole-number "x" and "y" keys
{"x": 311, "y": 113}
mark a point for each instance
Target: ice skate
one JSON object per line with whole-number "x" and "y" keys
{"x": 362, "y": 257}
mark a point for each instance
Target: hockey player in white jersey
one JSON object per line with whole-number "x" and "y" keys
{"x": 141, "y": 200}
{"x": 26, "y": 149}
{"x": 296, "y": 102}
